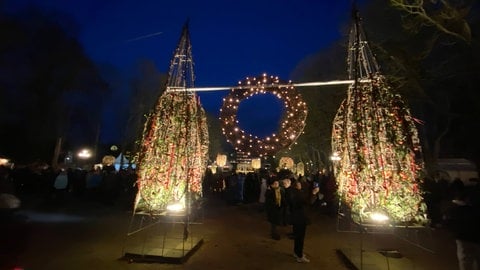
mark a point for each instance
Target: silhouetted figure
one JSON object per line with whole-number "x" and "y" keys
{"x": 462, "y": 219}
{"x": 274, "y": 206}
{"x": 231, "y": 189}
{"x": 239, "y": 190}
{"x": 109, "y": 186}
{"x": 298, "y": 201}
{"x": 60, "y": 187}
{"x": 250, "y": 188}
{"x": 287, "y": 212}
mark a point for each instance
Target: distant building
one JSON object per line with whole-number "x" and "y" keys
{"x": 451, "y": 169}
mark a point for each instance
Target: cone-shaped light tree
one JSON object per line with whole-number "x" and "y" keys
{"x": 173, "y": 151}
{"x": 377, "y": 155}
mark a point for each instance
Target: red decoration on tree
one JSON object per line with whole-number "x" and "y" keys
{"x": 376, "y": 139}
{"x": 174, "y": 146}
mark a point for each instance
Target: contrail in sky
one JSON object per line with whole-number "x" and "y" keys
{"x": 142, "y": 37}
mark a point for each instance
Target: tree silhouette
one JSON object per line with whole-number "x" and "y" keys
{"x": 49, "y": 88}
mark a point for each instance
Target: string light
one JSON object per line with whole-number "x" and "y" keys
{"x": 377, "y": 155}
{"x": 174, "y": 146}
{"x": 291, "y": 125}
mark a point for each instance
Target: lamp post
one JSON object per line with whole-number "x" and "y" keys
{"x": 213, "y": 168}
{"x": 221, "y": 161}
{"x": 4, "y": 161}
{"x": 256, "y": 163}
{"x": 84, "y": 155}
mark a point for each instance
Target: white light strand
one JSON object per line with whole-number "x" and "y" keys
{"x": 224, "y": 88}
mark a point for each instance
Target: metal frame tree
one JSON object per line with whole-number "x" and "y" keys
{"x": 173, "y": 150}
{"x": 374, "y": 136}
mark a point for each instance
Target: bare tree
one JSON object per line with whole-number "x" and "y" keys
{"x": 446, "y": 16}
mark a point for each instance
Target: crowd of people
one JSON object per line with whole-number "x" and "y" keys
{"x": 243, "y": 188}
{"x": 41, "y": 187}
{"x": 46, "y": 186}
{"x": 285, "y": 198}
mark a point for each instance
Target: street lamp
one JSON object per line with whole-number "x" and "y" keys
{"x": 84, "y": 154}
{"x": 221, "y": 160}
{"x": 213, "y": 168}
{"x": 4, "y": 161}
{"x": 256, "y": 163}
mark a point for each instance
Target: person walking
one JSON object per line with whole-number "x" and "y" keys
{"x": 298, "y": 201}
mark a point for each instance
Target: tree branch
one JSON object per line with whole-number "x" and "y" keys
{"x": 446, "y": 14}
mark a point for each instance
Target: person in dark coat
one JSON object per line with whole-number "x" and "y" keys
{"x": 462, "y": 219}
{"x": 287, "y": 190}
{"x": 274, "y": 206}
{"x": 298, "y": 201}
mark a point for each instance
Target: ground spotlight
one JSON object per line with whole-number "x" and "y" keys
{"x": 379, "y": 217}
{"x": 175, "y": 207}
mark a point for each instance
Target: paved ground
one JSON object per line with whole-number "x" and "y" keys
{"x": 93, "y": 236}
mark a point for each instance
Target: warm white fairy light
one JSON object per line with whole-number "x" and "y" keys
{"x": 295, "y": 110}
{"x": 377, "y": 156}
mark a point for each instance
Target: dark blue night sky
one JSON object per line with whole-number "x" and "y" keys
{"x": 231, "y": 40}
{"x": 260, "y": 115}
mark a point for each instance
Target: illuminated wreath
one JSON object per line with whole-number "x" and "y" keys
{"x": 291, "y": 125}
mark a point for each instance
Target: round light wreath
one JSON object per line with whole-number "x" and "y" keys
{"x": 291, "y": 125}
